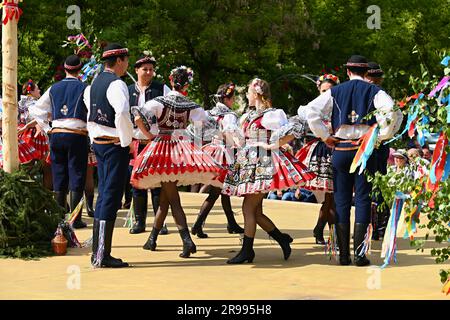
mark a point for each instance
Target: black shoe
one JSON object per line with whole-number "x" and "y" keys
{"x": 106, "y": 260}
{"x": 246, "y": 254}
{"x": 78, "y": 223}
{"x": 164, "y": 230}
{"x": 343, "y": 240}
{"x": 318, "y": 232}
{"x": 140, "y": 212}
{"x": 75, "y": 198}
{"x": 234, "y": 228}
{"x": 359, "y": 235}
{"x": 197, "y": 228}
{"x": 188, "y": 245}
{"x": 151, "y": 241}
{"x": 283, "y": 240}
{"x": 89, "y": 205}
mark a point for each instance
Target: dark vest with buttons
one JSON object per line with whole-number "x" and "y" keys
{"x": 102, "y": 111}
{"x": 352, "y": 101}
{"x": 156, "y": 89}
{"x": 67, "y": 101}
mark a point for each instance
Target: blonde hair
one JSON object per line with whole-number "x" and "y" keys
{"x": 262, "y": 89}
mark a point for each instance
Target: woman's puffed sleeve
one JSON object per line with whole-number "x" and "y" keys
{"x": 273, "y": 120}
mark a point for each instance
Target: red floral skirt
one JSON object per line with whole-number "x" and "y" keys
{"x": 40, "y": 143}
{"x": 256, "y": 172}
{"x": 26, "y": 153}
{"x": 317, "y": 157}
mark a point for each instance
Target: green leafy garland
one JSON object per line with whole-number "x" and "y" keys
{"x": 434, "y": 219}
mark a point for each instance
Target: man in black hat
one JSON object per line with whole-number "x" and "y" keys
{"x": 375, "y": 74}
{"x": 143, "y": 90}
{"x": 68, "y": 134}
{"x": 111, "y": 131}
{"x": 348, "y": 104}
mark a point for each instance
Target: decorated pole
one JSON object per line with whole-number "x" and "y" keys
{"x": 10, "y": 18}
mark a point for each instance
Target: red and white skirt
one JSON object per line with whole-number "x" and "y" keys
{"x": 253, "y": 173}
{"x": 39, "y": 143}
{"x": 26, "y": 153}
{"x": 222, "y": 156}
{"x": 173, "y": 159}
{"x": 316, "y": 156}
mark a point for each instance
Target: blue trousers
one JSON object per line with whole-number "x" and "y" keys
{"x": 68, "y": 153}
{"x": 112, "y": 167}
{"x": 345, "y": 183}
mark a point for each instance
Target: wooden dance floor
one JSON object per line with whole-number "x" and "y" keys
{"x": 308, "y": 274}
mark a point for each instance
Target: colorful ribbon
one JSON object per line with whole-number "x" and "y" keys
{"x": 446, "y": 287}
{"x": 439, "y": 87}
{"x": 365, "y": 150}
{"x": 330, "y": 249}
{"x": 389, "y": 246}
{"x": 12, "y": 11}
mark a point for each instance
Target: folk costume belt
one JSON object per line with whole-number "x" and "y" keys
{"x": 66, "y": 130}
{"x": 106, "y": 140}
{"x": 347, "y": 145}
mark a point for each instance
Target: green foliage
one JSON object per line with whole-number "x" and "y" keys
{"x": 29, "y": 215}
{"x": 239, "y": 39}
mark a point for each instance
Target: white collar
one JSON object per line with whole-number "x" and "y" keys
{"x": 356, "y": 77}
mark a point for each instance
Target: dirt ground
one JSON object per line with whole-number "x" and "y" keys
{"x": 308, "y": 274}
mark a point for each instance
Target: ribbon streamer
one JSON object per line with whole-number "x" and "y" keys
{"x": 12, "y": 11}
{"x": 439, "y": 87}
{"x": 365, "y": 150}
{"x": 330, "y": 249}
{"x": 446, "y": 287}
{"x": 389, "y": 246}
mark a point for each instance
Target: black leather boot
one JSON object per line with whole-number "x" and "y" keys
{"x": 140, "y": 212}
{"x": 89, "y": 204}
{"x": 318, "y": 231}
{"x": 95, "y": 231}
{"x": 343, "y": 240}
{"x": 246, "y": 254}
{"x": 283, "y": 240}
{"x": 75, "y": 198}
{"x": 164, "y": 230}
{"x": 188, "y": 245}
{"x": 108, "y": 260}
{"x": 360, "y": 233}
{"x": 102, "y": 240}
{"x": 151, "y": 241}
{"x": 197, "y": 228}
{"x": 232, "y": 226}
{"x": 61, "y": 199}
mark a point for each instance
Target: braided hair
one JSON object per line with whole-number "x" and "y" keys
{"x": 225, "y": 91}
{"x": 181, "y": 76}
